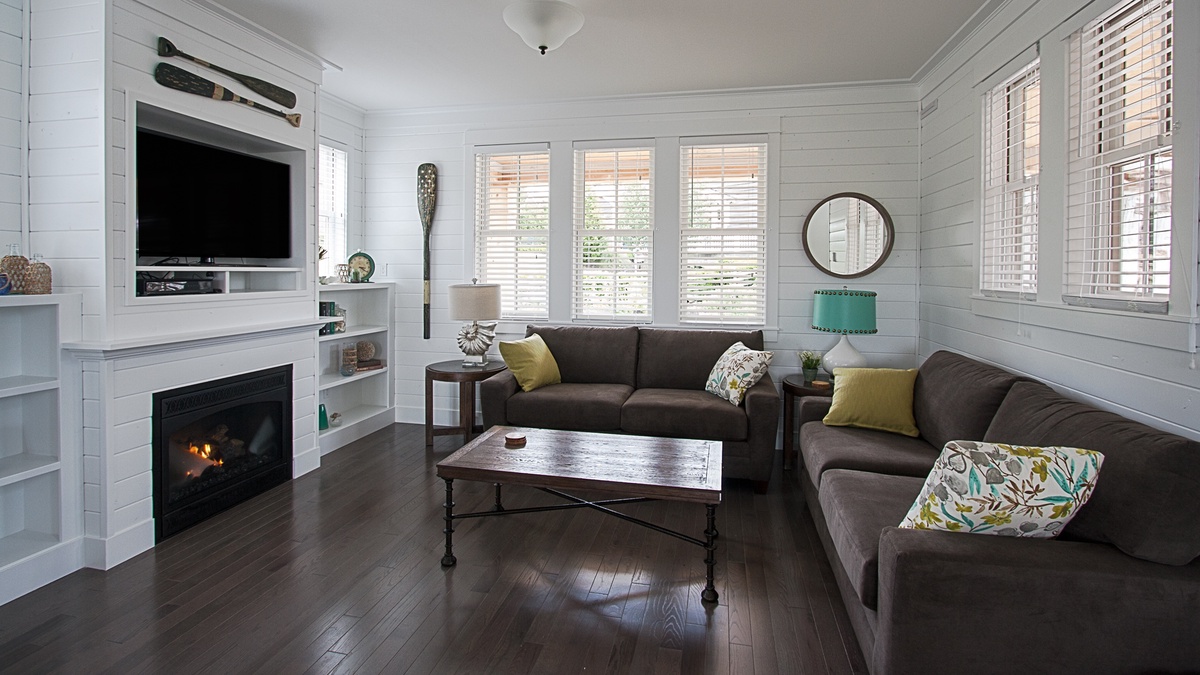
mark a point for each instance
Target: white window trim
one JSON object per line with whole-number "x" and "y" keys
{"x": 1178, "y": 330}
{"x": 562, "y": 140}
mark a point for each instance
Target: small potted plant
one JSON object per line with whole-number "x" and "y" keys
{"x": 809, "y": 362}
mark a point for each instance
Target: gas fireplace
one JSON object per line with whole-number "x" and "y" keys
{"x": 219, "y": 443}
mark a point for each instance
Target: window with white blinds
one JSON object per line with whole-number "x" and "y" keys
{"x": 512, "y": 230}
{"x": 1118, "y": 244}
{"x": 613, "y": 234}
{"x": 723, "y": 220}
{"x": 332, "y": 204}
{"x": 1011, "y": 122}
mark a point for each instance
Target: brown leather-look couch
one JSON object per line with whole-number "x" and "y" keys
{"x": 645, "y": 381}
{"x": 1118, "y": 592}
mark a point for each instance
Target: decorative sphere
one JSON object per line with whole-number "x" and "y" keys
{"x": 366, "y": 350}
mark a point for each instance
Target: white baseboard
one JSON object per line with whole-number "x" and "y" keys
{"x": 30, "y": 574}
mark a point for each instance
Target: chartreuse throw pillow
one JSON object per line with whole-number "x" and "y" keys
{"x": 873, "y": 398}
{"x": 738, "y": 369}
{"x": 1007, "y": 490}
{"x": 531, "y": 362}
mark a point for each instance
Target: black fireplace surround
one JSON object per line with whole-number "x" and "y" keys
{"x": 219, "y": 443}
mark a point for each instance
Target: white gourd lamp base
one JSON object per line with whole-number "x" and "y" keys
{"x": 843, "y": 355}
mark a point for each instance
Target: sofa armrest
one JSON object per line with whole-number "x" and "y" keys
{"x": 762, "y": 428}
{"x": 981, "y": 604}
{"x": 814, "y": 408}
{"x": 494, "y": 393}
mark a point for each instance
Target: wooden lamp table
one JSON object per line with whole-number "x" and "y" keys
{"x": 793, "y": 386}
{"x": 466, "y": 377}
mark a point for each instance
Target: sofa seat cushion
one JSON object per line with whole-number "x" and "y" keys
{"x": 683, "y": 413}
{"x": 823, "y": 448}
{"x": 1145, "y": 499}
{"x": 570, "y": 406}
{"x": 857, "y": 506}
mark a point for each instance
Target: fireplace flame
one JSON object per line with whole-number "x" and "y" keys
{"x": 205, "y": 452}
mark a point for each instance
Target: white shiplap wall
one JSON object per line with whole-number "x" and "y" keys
{"x": 66, "y": 162}
{"x": 12, "y": 104}
{"x": 861, "y": 139}
{"x": 1137, "y": 366}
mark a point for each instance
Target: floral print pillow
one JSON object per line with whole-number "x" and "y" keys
{"x": 1006, "y": 490}
{"x": 738, "y": 369}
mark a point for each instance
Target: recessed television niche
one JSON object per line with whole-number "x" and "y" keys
{"x": 197, "y": 201}
{"x": 214, "y": 210}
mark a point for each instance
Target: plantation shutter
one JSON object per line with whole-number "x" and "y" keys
{"x": 332, "y": 198}
{"x": 512, "y": 228}
{"x": 722, "y": 247}
{"x": 1010, "y": 179}
{"x": 1118, "y": 246}
{"x": 613, "y": 238}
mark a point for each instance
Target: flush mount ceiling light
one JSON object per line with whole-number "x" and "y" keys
{"x": 543, "y": 24}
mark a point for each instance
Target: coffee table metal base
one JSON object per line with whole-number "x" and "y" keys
{"x": 709, "y": 594}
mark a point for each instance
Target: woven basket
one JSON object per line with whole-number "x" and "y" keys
{"x": 37, "y": 279}
{"x": 15, "y": 266}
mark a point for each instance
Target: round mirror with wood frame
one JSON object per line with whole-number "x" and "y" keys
{"x": 848, "y": 235}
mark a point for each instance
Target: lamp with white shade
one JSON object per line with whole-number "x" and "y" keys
{"x": 475, "y": 302}
{"x": 543, "y": 24}
{"x": 846, "y": 312}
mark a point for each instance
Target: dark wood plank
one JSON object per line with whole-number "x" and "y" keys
{"x": 339, "y": 571}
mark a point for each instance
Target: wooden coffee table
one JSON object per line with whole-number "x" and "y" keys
{"x": 636, "y": 468}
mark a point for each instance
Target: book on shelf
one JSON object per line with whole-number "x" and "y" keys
{"x": 370, "y": 364}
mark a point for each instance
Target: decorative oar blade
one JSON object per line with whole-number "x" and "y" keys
{"x": 273, "y": 92}
{"x": 183, "y": 80}
{"x": 426, "y": 204}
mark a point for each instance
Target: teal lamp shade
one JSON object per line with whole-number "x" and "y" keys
{"x": 844, "y": 311}
{"x": 849, "y": 313}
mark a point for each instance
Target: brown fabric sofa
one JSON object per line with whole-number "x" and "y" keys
{"x": 646, "y": 381}
{"x": 1118, "y": 592}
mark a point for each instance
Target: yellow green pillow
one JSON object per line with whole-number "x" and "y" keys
{"x": 874, "y": 398}
{"x": 531, "y": 362}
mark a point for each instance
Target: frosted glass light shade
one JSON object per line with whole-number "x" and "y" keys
{"x": 474, "y": 302}
{"x": 543, "y": 24}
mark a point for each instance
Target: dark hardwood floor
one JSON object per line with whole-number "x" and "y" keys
{"x": 338, "y": 572}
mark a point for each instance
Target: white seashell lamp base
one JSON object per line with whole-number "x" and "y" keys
{"x": 474, "y": 340}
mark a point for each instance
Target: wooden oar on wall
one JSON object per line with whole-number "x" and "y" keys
{"x": 177, "y": 78}
{"x": 275, "y": 93}
{"x": 426, "y": 203}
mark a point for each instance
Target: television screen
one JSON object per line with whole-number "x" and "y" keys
{"x": 197, "y": 201}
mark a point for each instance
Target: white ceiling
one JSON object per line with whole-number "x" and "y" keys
{"x": 402, "y": 54}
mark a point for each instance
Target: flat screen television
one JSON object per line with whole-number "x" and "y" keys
{"x": 198, "y": 201}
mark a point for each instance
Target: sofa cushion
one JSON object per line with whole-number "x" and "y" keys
{"x": 823, "y": 448}
{"x": 1005, "y": 490}
{"x": 573, "y": 406}
{"x": 531, "y": 362}
{"x": 682, "y": 359}
{"x": 873, "y": 398}
{"x": 857, "y": 506}
{"x": 738, "y": 369}
{"x": 589, "y": 354}
{"x": 1145, "y": 502}
{"x": 955, "y": 397}
{"x": 683, "y": 413}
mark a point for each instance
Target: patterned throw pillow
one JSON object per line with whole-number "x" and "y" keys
{"x": 738, "y": 369}
{"x": 1007, "y": 490}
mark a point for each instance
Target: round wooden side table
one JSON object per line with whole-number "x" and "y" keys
{"x": 466, "y": 377}
{"x": 793, "y": 386}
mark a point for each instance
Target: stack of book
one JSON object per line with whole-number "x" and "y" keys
{"x": 370, "y": 364}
